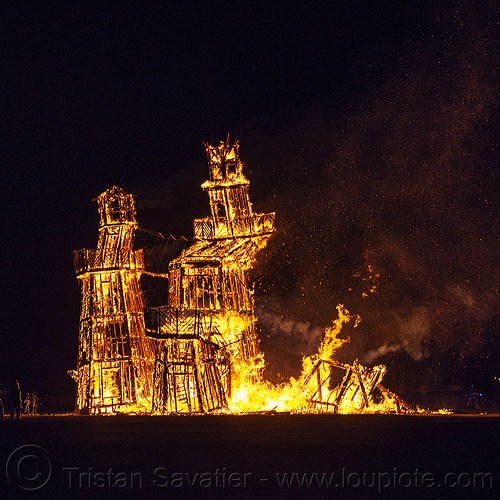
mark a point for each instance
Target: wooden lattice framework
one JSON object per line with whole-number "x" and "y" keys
{"x": 115, "y": 358}
{"x": 185, "y": 356}
{"x": 209, "y": 324}
{"x": 336, "y": 387}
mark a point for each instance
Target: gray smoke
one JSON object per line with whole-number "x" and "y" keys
{"x": 289, "y": 329}
{"x": 412, "y": 332}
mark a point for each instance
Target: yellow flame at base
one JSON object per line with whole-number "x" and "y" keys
{"x": 249, "y": 393}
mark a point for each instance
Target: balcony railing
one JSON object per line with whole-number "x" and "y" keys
{"x": 86, "y": 260}
{"x": 206, "y": 229}
{"x": 264, "y": 223}
{"x": 171, "y": 322}
{"x": 203, "y": 229}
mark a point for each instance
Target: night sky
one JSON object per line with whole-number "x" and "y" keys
{"x": 370, "y": 128}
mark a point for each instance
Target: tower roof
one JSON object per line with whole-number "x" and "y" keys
{"x": 116, "y": 206}
{"x": 225, "y": 166}
{"x": 113, "y": 192}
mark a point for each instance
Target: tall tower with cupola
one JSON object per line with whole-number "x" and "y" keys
{"x": 231, "y": 211}
{"x": 208, "y": 326}
{"x": 115, "y": 358}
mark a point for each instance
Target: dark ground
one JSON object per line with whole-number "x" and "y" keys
{"x": 364, "y": 456}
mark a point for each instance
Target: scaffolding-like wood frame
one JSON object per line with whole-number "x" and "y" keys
{"x": 115, "y": 358}
{"x": 208, "y": 282}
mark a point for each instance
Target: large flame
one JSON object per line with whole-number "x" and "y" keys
{"x": 249, "y": 393}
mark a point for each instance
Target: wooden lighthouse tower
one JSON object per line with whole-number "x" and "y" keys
{"x": 115, "y": 358}
{"x": 208, "y": 327}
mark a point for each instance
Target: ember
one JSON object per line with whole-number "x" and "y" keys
{"x": 199, "y": 352}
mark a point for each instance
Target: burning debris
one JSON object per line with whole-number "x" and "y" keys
{"x": 199, "y": 352}
{"x": 324, "y": 386}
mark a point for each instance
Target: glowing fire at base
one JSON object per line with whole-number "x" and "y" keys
{"x": 324, "y": 386}
{"x": 199, "y": 353}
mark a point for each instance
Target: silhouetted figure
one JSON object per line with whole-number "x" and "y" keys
{"x": 2, "y": 396}
{"x": 27, "y": 404}
{"x": 15, "y": 401}
{"x": 34, "y": 403}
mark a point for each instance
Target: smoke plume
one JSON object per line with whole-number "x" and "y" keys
{"x": 390, "y": 206}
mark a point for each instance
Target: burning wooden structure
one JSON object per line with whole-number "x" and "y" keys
{"x": 115, "y": 358}
{"x": 352, "y": 386}
{"x": 208, "y": 324}
{"x": 198, "y": 352}
{"x": 332, "y": 387}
